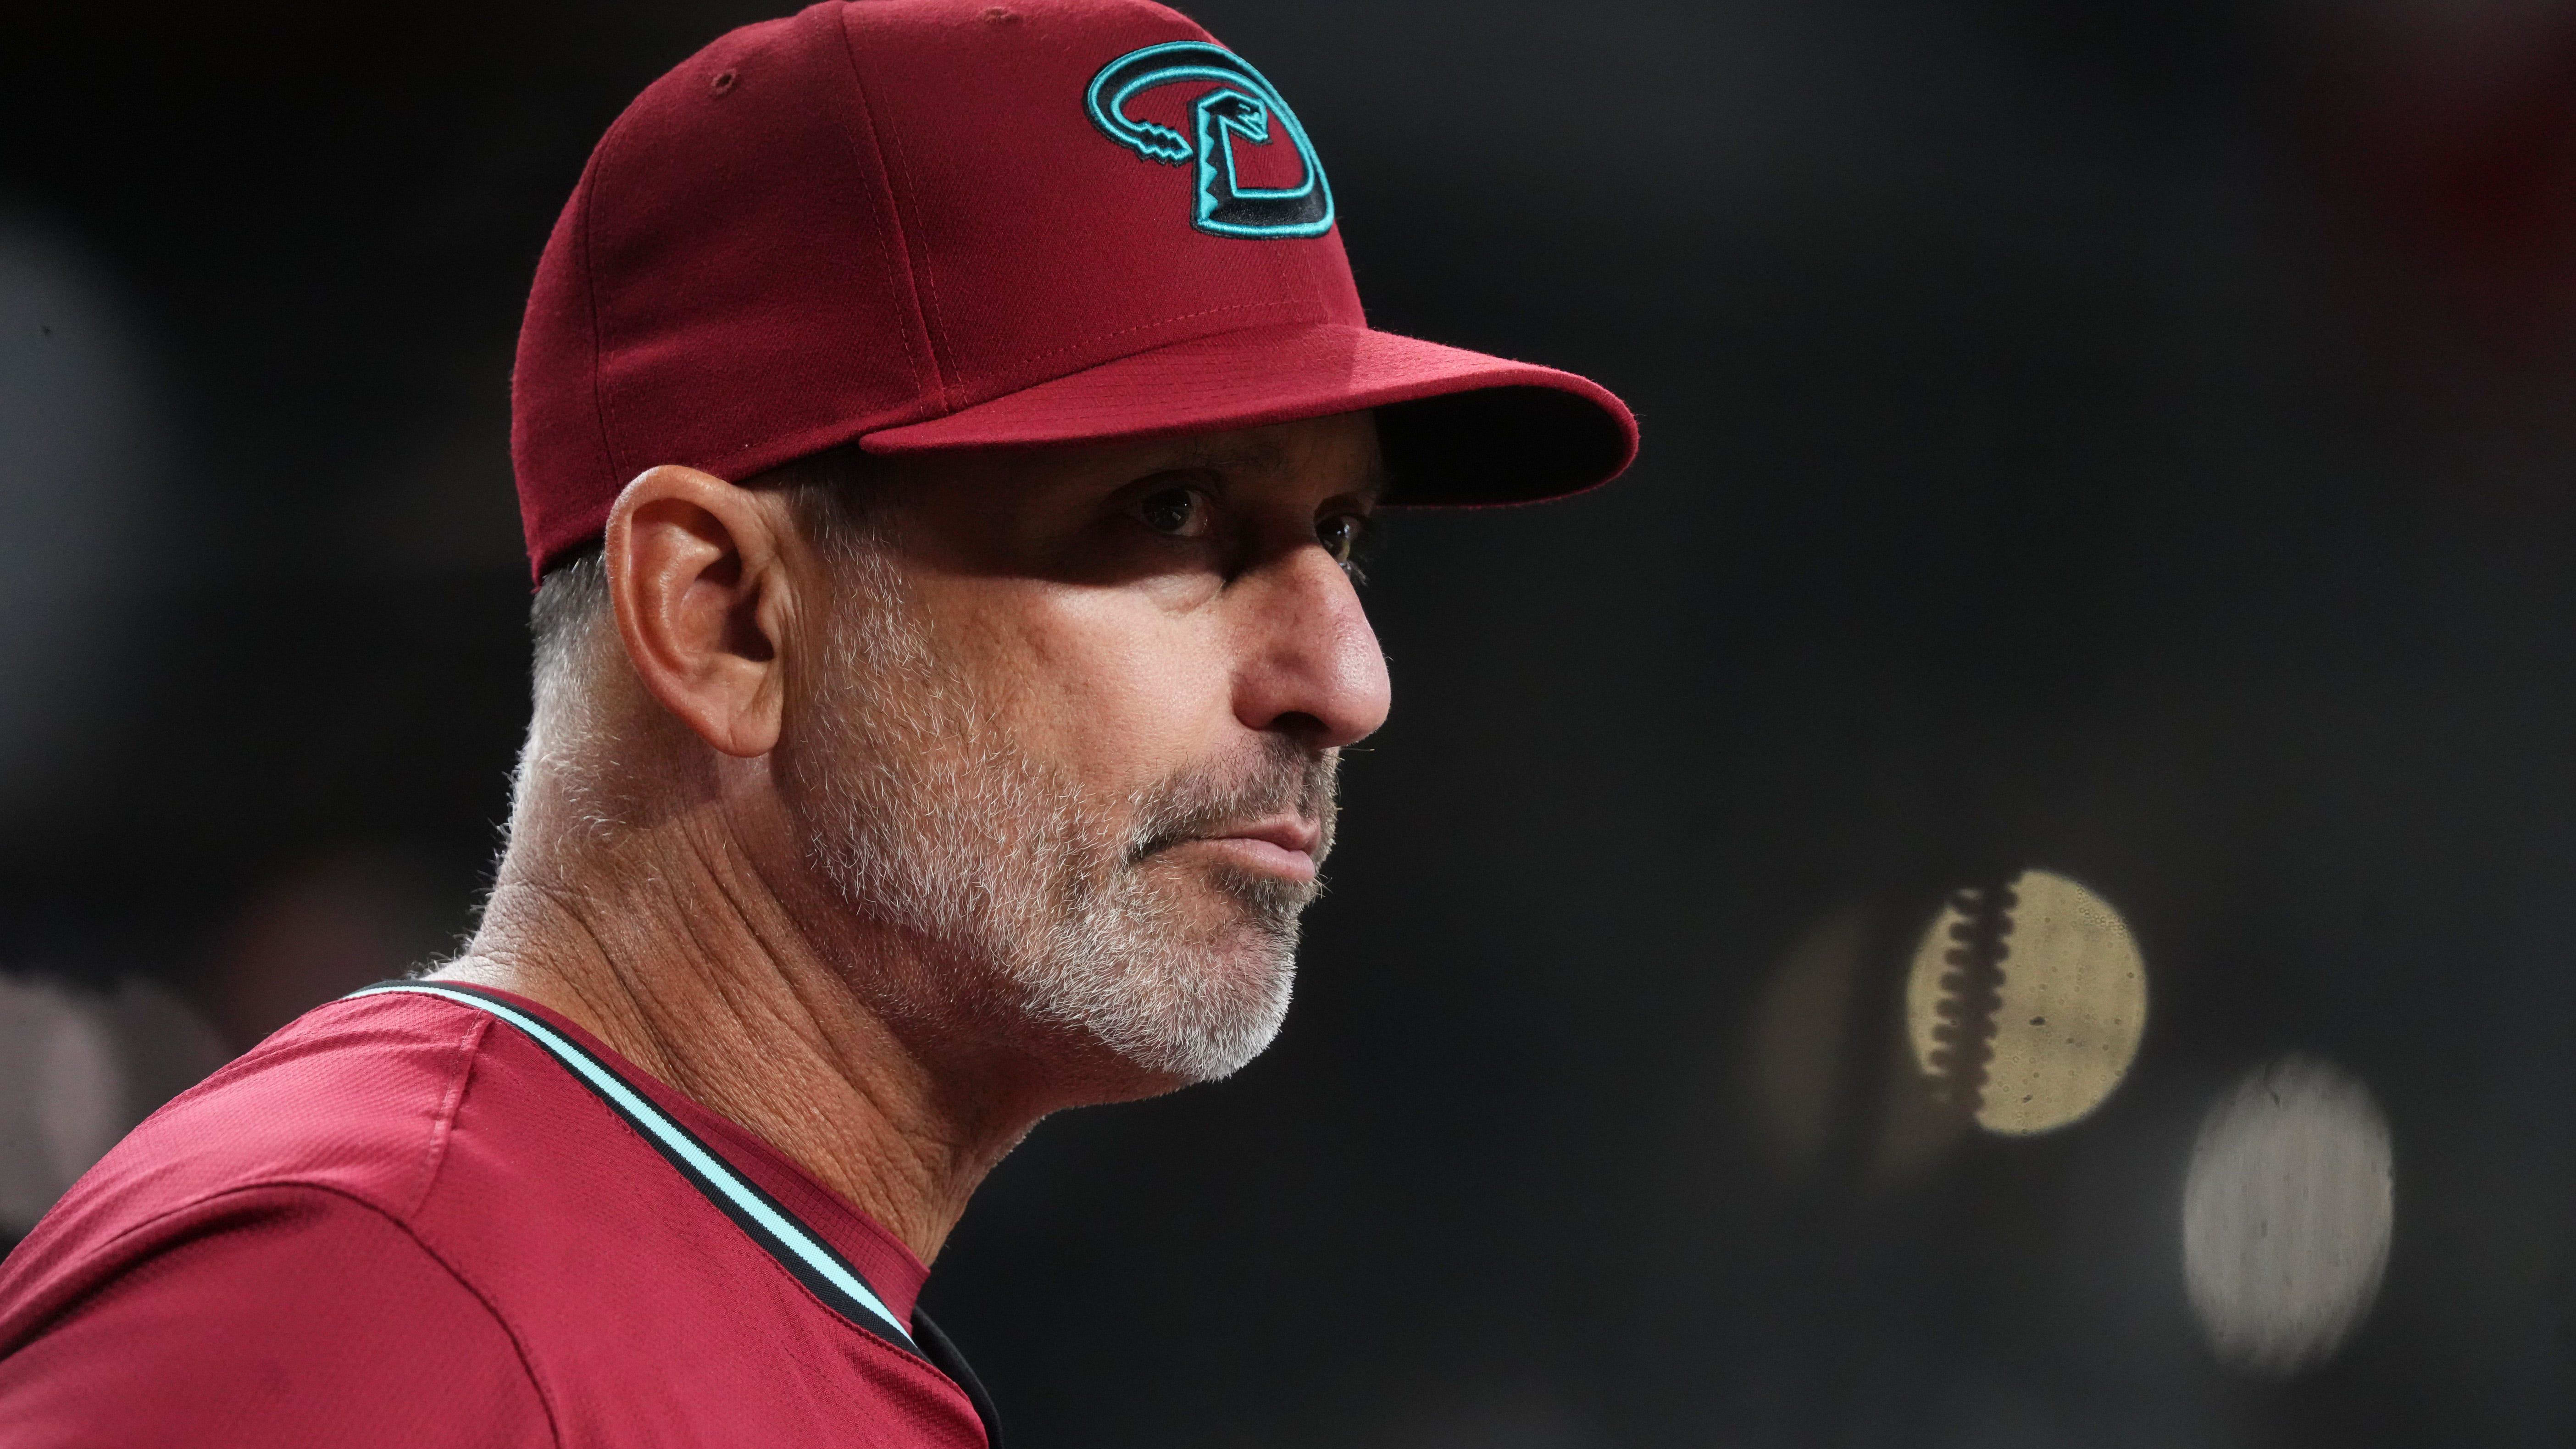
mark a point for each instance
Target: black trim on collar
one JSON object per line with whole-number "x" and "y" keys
{"x": 943, "y": 1355}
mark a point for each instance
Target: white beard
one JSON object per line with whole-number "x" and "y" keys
{"x": 1041, "y": 912}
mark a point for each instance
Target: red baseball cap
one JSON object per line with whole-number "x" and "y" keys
{"x": 930, "y": 224}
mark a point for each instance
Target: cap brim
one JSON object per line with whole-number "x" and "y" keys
{"x": 1457, "y": 427}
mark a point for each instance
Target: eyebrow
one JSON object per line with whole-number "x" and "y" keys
{"x": 1227, "y": 452}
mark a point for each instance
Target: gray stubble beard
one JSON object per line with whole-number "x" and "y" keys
{"x": 1036, "y": 911}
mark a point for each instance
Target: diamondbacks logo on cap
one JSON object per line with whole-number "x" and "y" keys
{"x": 1242, "y": 105}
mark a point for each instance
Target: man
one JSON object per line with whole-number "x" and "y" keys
{"x": 942, "y": 430}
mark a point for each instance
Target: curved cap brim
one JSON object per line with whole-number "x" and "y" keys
{"x": 1458, "y": 427}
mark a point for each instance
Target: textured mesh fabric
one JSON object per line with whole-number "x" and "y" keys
{"x": 398, "y": 1222}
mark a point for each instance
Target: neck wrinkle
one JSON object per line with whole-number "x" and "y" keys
{"x": 671, "y": 946}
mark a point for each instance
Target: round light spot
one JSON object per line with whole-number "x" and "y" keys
{"x": 1828, "y": 1081}
{"x": 1800, "y": 1031}
{"x": 2026, "y": 1001}
{"x": 2287, "y": 1211}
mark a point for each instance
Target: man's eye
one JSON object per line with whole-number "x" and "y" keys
{"x": 1178, "y": 511}
{"x": 1341, "y": 534}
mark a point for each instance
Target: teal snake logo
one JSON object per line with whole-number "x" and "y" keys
{"x": 1241, "y": 105}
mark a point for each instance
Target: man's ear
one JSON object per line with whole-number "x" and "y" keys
{"x": 702, "y": 599}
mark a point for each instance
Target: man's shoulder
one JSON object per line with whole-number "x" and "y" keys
{"x": 354, "y": 1100}
{"x": 405, "y": 1178}
{"x": 246, "y": 1265}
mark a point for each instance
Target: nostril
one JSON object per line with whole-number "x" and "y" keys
{"x": 723, "y": 82}
{"x": 1302, "y": 727}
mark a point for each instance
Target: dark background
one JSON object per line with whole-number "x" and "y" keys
{"x": 2133, "y": 439}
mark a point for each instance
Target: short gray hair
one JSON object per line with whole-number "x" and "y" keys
{"x": 828, "y": 492}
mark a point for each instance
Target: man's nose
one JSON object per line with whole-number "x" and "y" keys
{"x": 1310, "y": 666}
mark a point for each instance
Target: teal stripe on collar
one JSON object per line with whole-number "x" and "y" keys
{"x": 796, "y": 1247}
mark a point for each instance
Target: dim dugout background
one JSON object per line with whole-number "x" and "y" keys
{"x": 2011, "y": 886}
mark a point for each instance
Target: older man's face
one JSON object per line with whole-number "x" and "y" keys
{"x": 1073, "y": 721}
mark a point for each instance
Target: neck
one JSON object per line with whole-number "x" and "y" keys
{"x": 675, "y": 950}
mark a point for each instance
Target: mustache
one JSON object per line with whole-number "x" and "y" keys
{"x": 1284, "y": 777}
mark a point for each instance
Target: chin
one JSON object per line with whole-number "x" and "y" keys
{"x": 1162, "y": 1018}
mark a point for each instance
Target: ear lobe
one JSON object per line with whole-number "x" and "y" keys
{"x": 694, "y": 573}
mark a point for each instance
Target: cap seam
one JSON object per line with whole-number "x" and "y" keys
{"x": 925, "y": 315}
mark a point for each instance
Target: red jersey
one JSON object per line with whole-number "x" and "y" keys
{"x": 438, "y": 1215}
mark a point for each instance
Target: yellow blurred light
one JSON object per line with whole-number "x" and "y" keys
{"x": 2026, "y": 1001}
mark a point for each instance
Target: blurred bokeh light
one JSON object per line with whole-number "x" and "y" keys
{"x": 2288, "y": 1208}
{"x": 1826, "y": 1077}
{"x": 2026, "y": 1001}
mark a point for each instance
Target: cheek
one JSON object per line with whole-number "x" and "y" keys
{"x": 1109, "y": 686}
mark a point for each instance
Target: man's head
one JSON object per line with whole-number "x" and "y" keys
{"x": 1059, "y": 723}
{"x": 970, "y": 407}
